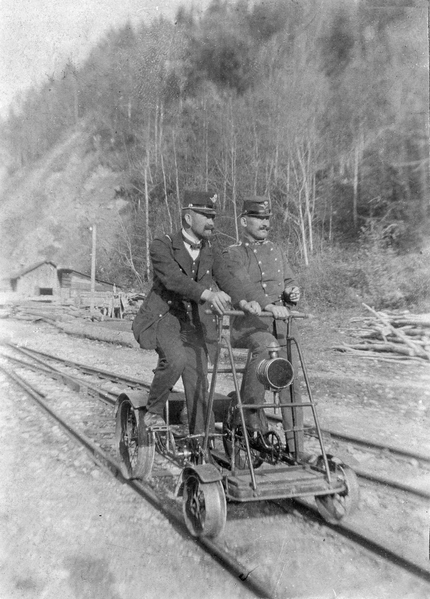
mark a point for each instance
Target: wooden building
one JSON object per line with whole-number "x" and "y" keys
{"x": 39, "y": 279}
{"x": 45, "y": 279}
{"x": 77, "y": 284}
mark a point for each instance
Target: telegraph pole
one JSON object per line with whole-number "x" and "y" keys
{"x": 93, "y": 268}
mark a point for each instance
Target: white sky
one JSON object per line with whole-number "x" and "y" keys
{"x": 38, "y": 36}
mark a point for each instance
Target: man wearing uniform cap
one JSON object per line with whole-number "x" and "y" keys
{"x": 262, "y": 265}
{"x": 172, "y": 319}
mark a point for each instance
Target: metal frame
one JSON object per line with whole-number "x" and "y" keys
{"x": 223, "y": 342}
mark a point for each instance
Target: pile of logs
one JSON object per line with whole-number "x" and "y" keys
{"x": 107, "y": 306}
{"x": 73, "y": 321}
{"x": 391, "y": 336}
{"x": 48, "y": 311}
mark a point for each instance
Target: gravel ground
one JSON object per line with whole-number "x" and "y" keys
{"x": 70, "y": 530}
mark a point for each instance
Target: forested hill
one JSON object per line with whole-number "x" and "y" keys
{"x": 323, "y": 106}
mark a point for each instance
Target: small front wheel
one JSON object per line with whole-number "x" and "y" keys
{"x": 204, "y": 507}
{"x": 135, "y": 444}
{"x": 334, "y": 508}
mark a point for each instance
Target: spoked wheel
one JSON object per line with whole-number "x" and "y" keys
{"x": 334, "y": 508}
{"x": 204, "y": 507}
{"x": 135, "y": 445}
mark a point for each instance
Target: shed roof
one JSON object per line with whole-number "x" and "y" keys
{"x": 24, "y": 271}
{"x": 66, "y": 269}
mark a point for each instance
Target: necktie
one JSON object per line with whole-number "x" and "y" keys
{"x": 193, "y": 246}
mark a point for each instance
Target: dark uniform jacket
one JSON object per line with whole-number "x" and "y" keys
{"x": 177, "y": 289}
{"x": 262, "y": 267}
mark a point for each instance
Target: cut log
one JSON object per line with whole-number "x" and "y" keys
{"x": 418, "y": 351}
{"x": 417, "y": 320}
{"x": 90, "y": 331}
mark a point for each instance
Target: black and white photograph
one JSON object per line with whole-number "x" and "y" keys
{"x": 214, "y": 299}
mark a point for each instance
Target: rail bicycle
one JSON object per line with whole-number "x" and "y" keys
{"x": 235, "y": 463}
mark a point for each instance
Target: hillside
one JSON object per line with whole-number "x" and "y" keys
{"x": 47, "y": 209}
{"x": 326, "y": 116}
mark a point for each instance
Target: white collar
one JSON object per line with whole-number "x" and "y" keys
{"x": 192, "y": 240}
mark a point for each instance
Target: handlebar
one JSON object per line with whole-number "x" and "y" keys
{"x": 263, "y": 314}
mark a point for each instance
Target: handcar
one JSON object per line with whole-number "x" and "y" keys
{"x": 235, "y": 463}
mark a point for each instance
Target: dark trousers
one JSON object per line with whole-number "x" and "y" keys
{"x": 180, "y": 354}
{"x": 253, "y": 391}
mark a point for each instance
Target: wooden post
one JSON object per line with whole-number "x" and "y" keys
{"x": 93, "y": 268}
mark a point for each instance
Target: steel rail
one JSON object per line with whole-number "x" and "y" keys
{"x": 258, "y": 586}
{"x": 229, "y": 563}
{"x": 375, "y": 547}
{"x": 130, "y": 381}
{"x": 73, "y": 382}
{"x": 82, "y": 386}
{"x": 404, "y": 453}
{"x": 115, "y": 378}
{"x": 388, "y": 482}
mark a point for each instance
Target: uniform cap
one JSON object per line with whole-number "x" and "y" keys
{"x": 200, "y": 201}
{"x": 256, "y": 206}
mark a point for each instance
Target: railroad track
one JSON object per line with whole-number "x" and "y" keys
{"x": 102, "y": 452}
{"x": 383, "y": 450}
{"x": 105, "y": 458}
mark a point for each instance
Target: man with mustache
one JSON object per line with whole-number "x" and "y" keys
{"x": 172, "y": 319}
{"x": 263, "y": 265}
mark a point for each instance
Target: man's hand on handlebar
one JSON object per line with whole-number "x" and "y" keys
{"x": 218, "y": 301}
{"x": 278, "y": 311}
{"x": 292, "y": 294}
{"x": 250, "y": 307}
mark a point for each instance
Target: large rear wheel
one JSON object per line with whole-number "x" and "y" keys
{"x": 204, "y": 507}
{"x": 135, "y": 444}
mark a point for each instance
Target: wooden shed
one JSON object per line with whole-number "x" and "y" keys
{"x": 39, "y": 279}
{"x": 73, "y": 282}
{"x": 77, "y": 286}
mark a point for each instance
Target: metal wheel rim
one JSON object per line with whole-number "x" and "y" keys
{"x": 334, "y": 508}
{"x": 204, "y": 507}
{"x": 127, "y": 436}
{"x": 135, "y": 445}
{"x": 132, "y": 436}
